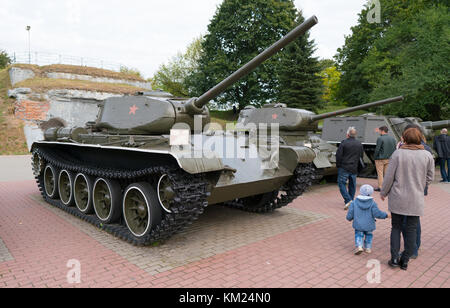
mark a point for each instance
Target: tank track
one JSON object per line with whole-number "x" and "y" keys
{"x": 318, "y": 175}
{"x": 190, "y": 202}
{"x": 304, "y": 176}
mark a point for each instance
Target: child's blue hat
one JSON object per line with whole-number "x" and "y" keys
{"x": 366, "y": 190}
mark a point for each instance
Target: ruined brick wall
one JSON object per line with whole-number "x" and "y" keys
{"x": 31, "y": 110}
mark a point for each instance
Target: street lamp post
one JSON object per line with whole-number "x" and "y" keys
{"x": 28, "y": 28}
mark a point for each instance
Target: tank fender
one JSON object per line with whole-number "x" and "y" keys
{"x": 200, "y": 165}
{"x": 291, "y": 156}
{"x": 192, "y": 165}
{"x": 321, "y": 161}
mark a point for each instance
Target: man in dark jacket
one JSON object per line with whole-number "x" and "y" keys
{"x": 386, "y": 146}
{"x": 442, "y": 147}
{"x": 347, "y": 159}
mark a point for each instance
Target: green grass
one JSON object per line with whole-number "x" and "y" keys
{"x": 12, "y": 139}
{"x": 80, "y": 70}
{"x": 4, "y": 84}
{"x": 40, "y": 85}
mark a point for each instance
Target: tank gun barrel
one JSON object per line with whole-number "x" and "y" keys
{"x": 436, "y": 125}
{"x": 199, "y": 103}
{"x": 351, "y": 109}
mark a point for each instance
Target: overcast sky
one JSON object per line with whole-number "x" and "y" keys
{"x": 142, "y": 33}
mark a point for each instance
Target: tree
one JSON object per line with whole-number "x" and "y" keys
{"x": 325, "y": 63}
{"x": 330, "y": 77}
{"x": 171, "y": 77}
{"x": 240, "y": 30}
{"x": 355, "y": 85}
{"x": 300, "y": 85}
{"x": 413, "y": 59}
{"x": 5, "y": 60}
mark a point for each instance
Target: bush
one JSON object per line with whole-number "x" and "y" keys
{"x": 5, "y": 60}
{"x": 130, "y": 71}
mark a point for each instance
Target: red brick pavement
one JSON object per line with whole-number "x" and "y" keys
{"x": 319, "y": 254}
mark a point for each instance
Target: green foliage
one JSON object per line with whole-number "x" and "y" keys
{"x": 300, "y": 84}
{"x": 330, "y": 78}
{"x": 405, "y": 54}
{"x": 171, "y": 77}
{"x": 354, "y": 87}
{"x": 326, "y": 63}
{"x": 238, "y": 32}
{"x": 5, "y": 60}
{"x": 413, "y": 59}
{"x": 130, "y": 71}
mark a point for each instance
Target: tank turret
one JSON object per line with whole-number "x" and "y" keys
{"x": 427, "y": 128}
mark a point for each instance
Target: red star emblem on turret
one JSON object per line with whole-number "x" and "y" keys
{"x": 275, "y": 116}
{"x": 133, "y": 109}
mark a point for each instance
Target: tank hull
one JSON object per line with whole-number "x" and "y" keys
{"x": 237, "y": 175}
{"x": 120, "y": 181}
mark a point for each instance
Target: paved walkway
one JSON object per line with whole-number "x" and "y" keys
{"x": 15, "y": 168}
{"x": 307, "y": 244}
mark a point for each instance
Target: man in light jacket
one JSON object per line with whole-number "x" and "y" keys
{"x": 386, "y": 146}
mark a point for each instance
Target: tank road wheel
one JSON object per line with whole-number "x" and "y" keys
{"x": 141, "y": 209}
{"x": 65, "y": 187}
{"x": 38, "y": 164}
{"x": 106, "y": 198}
{"x": 82, "y": 192}
{"x": 166, "y": 194}
{"x": 51, "y": 182}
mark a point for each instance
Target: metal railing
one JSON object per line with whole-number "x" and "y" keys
{"x": 45, "y": 58}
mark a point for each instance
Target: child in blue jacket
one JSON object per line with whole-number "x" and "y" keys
{"x": 363, "y": 211}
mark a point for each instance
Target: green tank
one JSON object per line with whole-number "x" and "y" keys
{"x": 151, "y": 163}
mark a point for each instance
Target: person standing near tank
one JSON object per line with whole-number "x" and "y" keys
{"x": 442, "y": 146}
{"x": 386, "y": 146}
{"x": 348, "y": 156}
{"x": 419, "y": 227}
{"x": 410, "y": 170}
